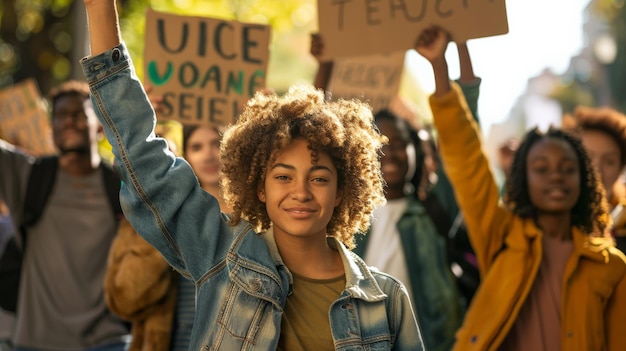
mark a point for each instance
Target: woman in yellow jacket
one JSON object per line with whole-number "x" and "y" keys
{"x": 551, "y": 276}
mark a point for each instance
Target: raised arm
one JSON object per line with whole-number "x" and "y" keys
{"x": 465, "y": 63}
{"x": 104, "y": 29}
{"x": 470, "y": 84}
{"x": 461, "y": 150}
{"x": 432, "y": 44}
{"x": 325, "y": 67}
{"x": 160, "y": 195}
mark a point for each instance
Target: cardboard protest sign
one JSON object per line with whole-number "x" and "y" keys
{"x": 204, "y": 68}
{"x": 374, "y": 79}
{"x": 365, "y": 27}
{"x": 24, "y": 120}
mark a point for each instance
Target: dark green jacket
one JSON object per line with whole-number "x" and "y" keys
{"x": 435, "y": 296}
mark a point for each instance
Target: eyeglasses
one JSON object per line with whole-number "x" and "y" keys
{"x": 77, "y": 116}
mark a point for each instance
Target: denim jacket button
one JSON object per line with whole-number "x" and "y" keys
{"x": 116, "y": 55}
{"x": 255, "y": 284}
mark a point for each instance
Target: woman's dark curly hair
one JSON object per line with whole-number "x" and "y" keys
{"x": 590, "y": 213}
{"x": 343, "y": 129}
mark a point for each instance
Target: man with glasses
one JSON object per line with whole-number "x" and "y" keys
{"x": 60, "y": 304}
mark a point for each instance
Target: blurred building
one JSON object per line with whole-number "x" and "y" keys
{"x": 549, "y": 96}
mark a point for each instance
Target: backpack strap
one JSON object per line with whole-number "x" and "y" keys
{"x": 40, "y": 183}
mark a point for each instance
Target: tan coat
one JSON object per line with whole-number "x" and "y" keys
{"x": 140, "y": 287}
{"x": 508, "y": 249}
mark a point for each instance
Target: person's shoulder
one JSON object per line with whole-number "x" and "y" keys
{"x": 365, "y": 269}
{"x": 247, "y": 242}
{"x": 18, "y": 156}
{"x": 615, "y": 270}
{"x": 386, "y": 281}
{"x": 617, "y": 256}
{"x": 614, "y": 259}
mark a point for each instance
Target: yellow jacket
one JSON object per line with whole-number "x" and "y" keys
{"x": 508, "y": 249}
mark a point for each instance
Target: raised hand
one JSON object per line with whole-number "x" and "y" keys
{"x": 317, "y": 47}
{"x": 104, "y": 31}
{"x": 322, "y": 76}
{"x": 432, "y": 43}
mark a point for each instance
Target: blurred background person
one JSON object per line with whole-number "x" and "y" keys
{"x": 603, "y": 133}
{"x": 404, "y": 242}
{"x": 60, "y": 304}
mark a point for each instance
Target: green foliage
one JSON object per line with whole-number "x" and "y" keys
{"x": 608, "y": 9}
{"x": 36, "y": 40}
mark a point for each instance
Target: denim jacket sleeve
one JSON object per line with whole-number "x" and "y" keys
{"x": 160, "y": 194}
{"x": 408, "y": 337}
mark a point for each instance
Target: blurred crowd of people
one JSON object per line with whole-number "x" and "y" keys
{"x": 535, "y": 263}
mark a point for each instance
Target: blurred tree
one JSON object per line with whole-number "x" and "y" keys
{"x": 45, "y": 38}
{"x": 35, "y": 41}
{"x": 614, "y": 12}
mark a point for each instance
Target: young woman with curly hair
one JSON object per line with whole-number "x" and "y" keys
{"x": 300, "y": 175}
{"x": 552, "y": 278}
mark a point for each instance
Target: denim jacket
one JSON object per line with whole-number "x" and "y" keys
{"x": 435, "y": 297}
{"x": 241, "y": 283}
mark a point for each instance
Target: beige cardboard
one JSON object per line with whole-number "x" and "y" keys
{"x": 374, "y": 79}
{"x": 366, "y": 27}
{"x": 24, "y": 120}
{"x": 205, "y": 68}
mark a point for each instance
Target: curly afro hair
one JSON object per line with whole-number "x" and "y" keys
{"x": 590, "y": 213}
{"x": 605, "y": 120}
{"x": 343, "y": 129}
